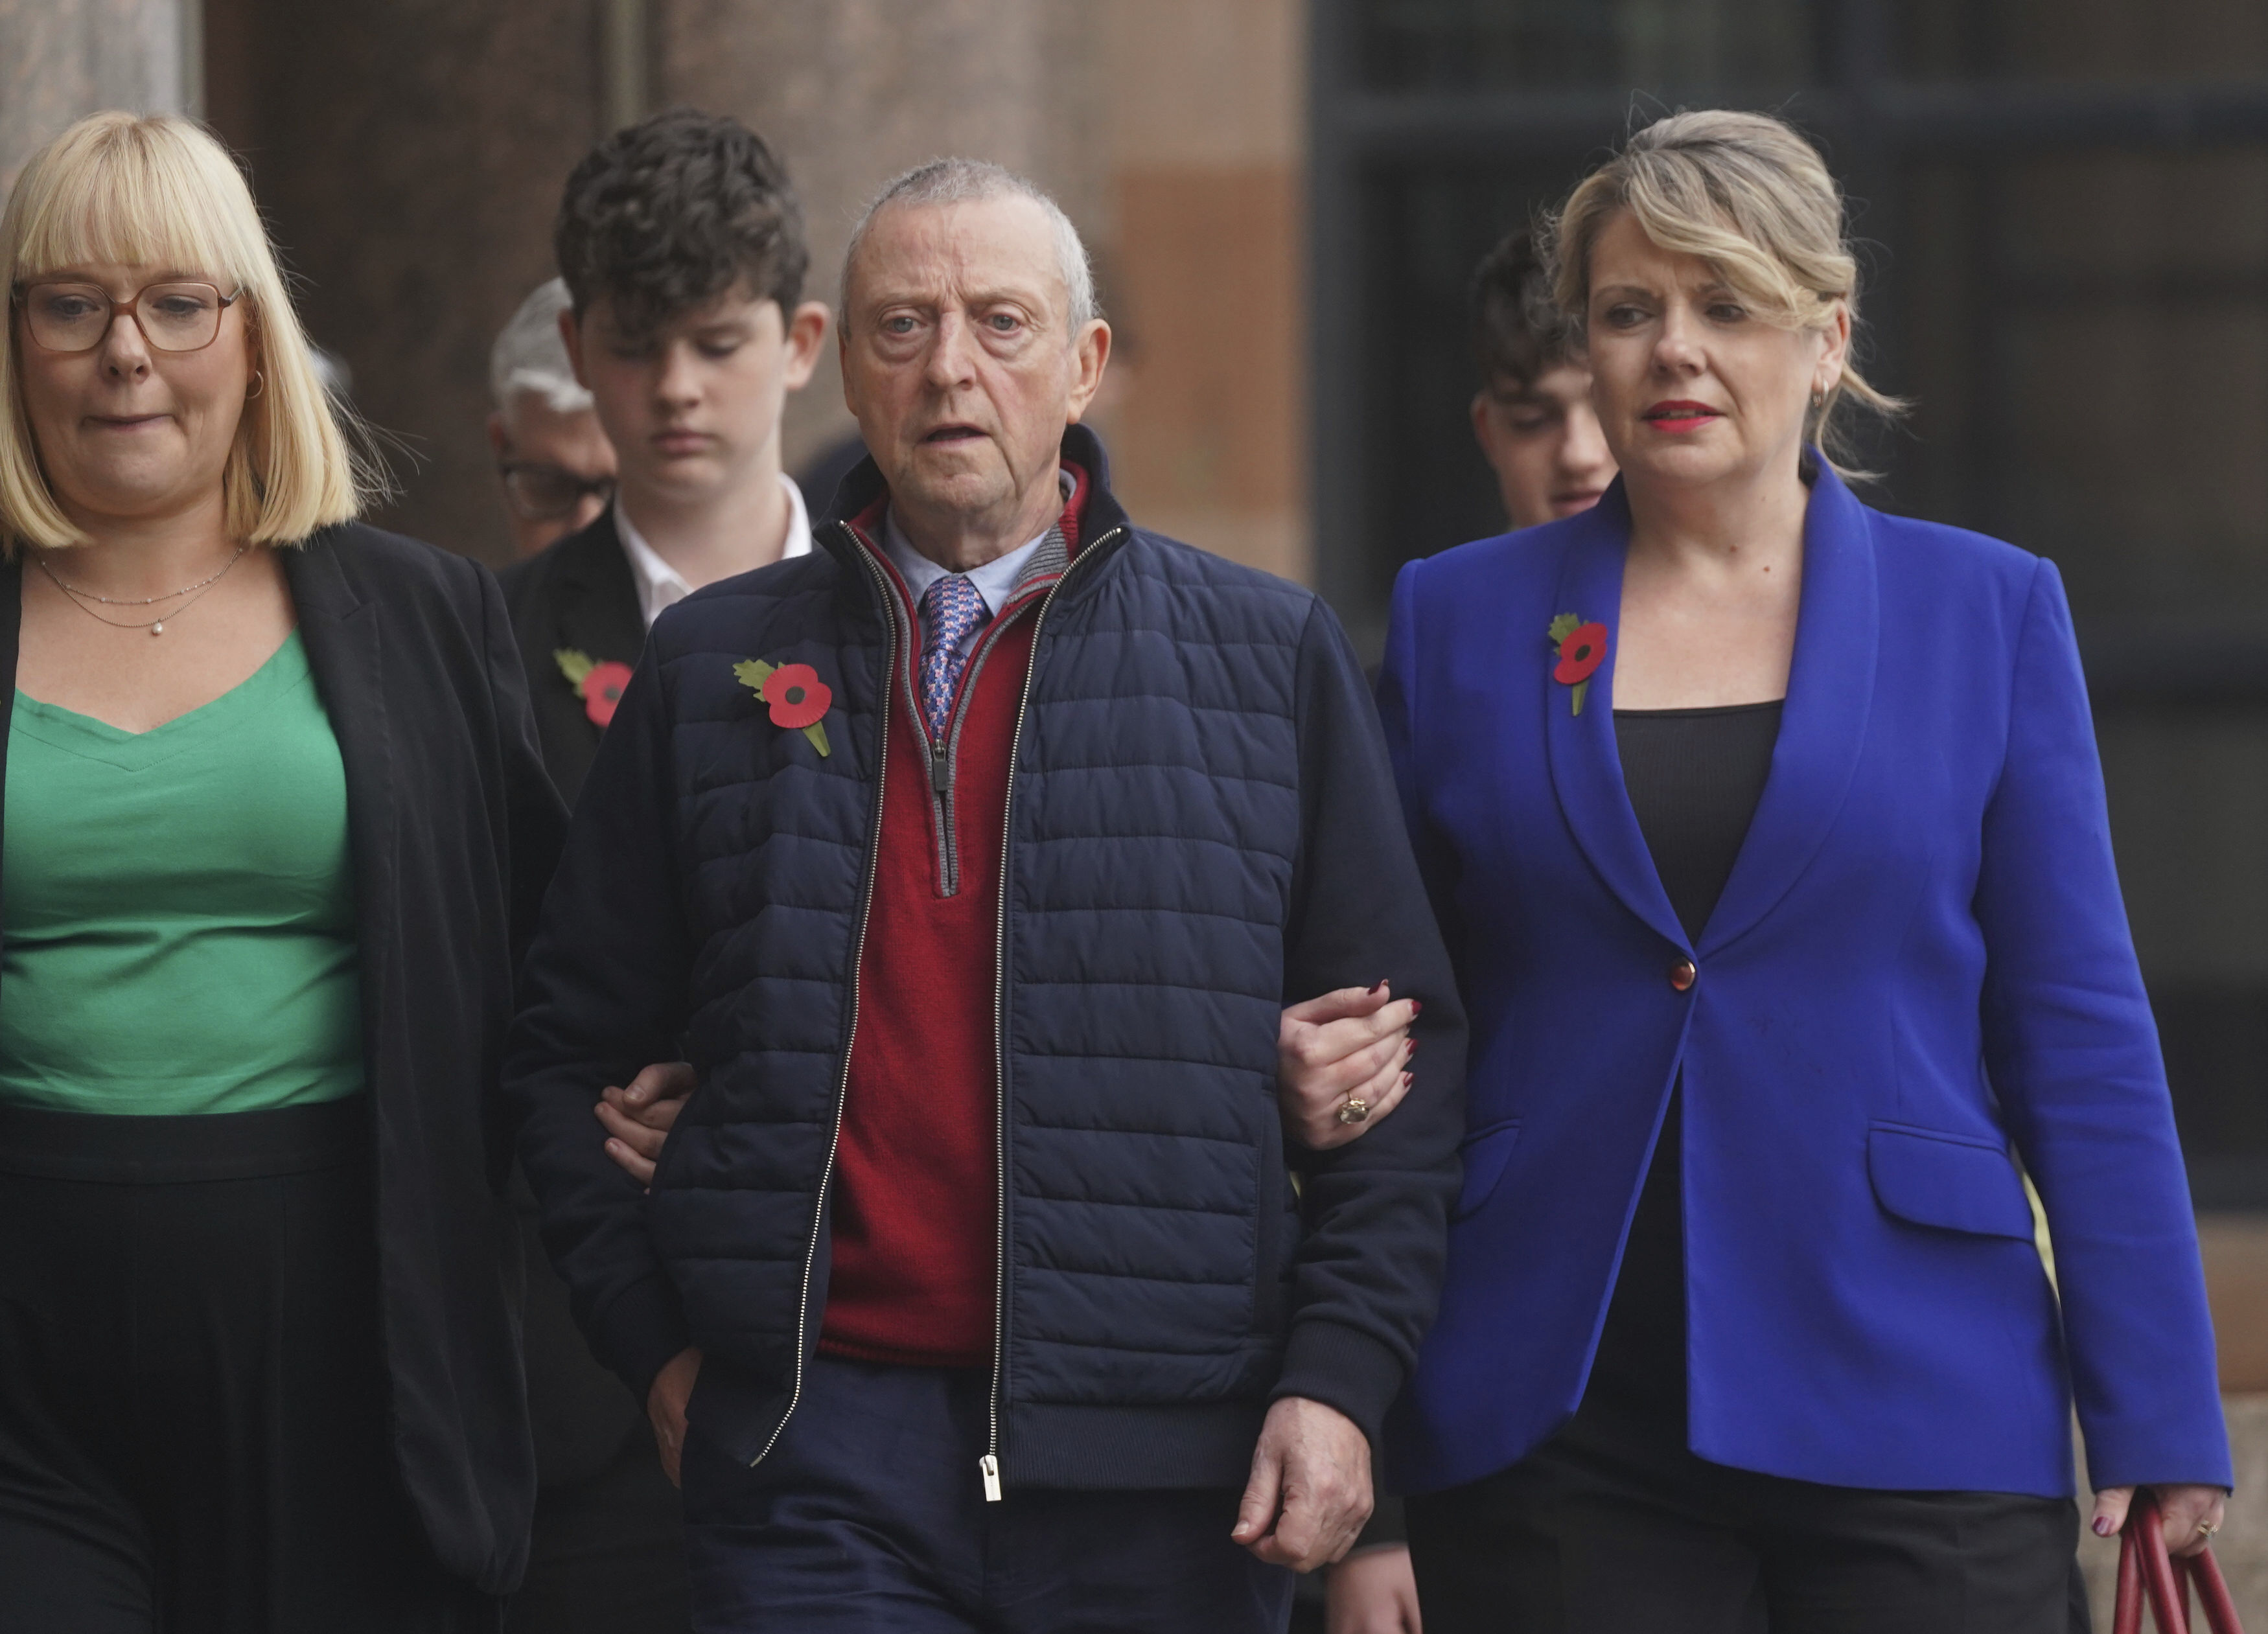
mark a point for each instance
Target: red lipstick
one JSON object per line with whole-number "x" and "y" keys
{"x": 1679, "y": 415}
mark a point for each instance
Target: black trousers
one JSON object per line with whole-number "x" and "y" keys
{"x": 609, "y": 1553}
{"x": 1600, "y": 1534}
{"x": 192, "y": 1401}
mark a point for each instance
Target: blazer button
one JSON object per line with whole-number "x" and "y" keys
{"x": 1683, "y": 975}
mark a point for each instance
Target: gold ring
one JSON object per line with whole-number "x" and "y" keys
{"x": 1355, "y": 1110}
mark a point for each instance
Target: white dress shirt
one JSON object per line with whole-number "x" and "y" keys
{"x": 661, "y": 586}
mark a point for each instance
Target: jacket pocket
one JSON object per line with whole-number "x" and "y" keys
{"x": 1954, "y": 1182}
{"x": 1485, "y": 1153}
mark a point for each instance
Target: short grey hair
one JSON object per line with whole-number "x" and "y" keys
{"x": 529, "y": 356}
{"x": 969, "y": 181}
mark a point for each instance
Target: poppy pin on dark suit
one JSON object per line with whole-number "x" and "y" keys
{"x": 598, "y": 682}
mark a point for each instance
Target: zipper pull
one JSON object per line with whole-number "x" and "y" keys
{"x": 990, "y": 1467}
{"x": 940, "y": 769}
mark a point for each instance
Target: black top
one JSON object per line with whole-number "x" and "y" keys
{"x": 1694, "y": 777}
{"x": 453, "y": 829}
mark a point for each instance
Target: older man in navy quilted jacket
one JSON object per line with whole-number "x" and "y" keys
{"x": 970, "y": 859}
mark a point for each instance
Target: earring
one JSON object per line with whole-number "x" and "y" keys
{"x": 259, "y": 385}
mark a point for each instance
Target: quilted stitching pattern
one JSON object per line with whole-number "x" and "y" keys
{"x": 1154, "y": 829}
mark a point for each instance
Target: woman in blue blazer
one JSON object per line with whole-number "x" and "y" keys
{"x": 1769, "y": 832}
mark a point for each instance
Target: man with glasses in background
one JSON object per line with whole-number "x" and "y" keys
{"x": 552, "y": 453}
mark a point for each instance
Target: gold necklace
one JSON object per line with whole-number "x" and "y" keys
{"x": 157, "y": 627}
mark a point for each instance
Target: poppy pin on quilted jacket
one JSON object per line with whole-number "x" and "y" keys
{"x": 799, "y": 699}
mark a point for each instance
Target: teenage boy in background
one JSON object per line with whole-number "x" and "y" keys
{"x": 681, "y": 245}
{"x": 682, "y": 248}
{"x": 1532, "y": 415}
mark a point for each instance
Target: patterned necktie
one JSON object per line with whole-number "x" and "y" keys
{"x": 951, "y": 608}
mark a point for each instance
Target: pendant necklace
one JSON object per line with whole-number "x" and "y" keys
{"x": 157, "y": 627}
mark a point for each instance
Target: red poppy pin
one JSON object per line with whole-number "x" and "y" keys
{"x": 1582, "y": 648}
{"x": 797, "y": 697}
{"x": 599, "y": 685}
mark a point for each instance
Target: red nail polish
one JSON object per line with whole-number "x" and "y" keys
{"x": 1379, "y": 985}
{"x": 2103, "y": 1526}
{"x": 1411, "y": 1050}
{"x": 1417, "y": 1008}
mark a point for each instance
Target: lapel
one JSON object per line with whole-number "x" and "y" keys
{"x": 1585, "y": 769}
{"x": 11, "y": 623}
{"x": 598, "y": 611}
{"x": 1830, "y": 693}
{"x": 340, "y": 631}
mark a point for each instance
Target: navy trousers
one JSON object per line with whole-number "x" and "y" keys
{"x": 869, "y": 1515}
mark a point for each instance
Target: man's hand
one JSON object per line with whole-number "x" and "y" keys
{"x": 637, "y": 1120}
{"x": 2186, "y": 1512}
{"x": 1310, "y": 1488}
{"x": 1373, "y": 1592}
{"x": 1351, "y": 1044}
{"x": 665, "y": 1407}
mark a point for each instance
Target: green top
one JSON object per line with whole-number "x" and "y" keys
{"x": 178, "y": 907}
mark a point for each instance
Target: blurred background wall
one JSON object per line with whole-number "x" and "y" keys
{"x": 2064, "y": 204}
{"x": 410, "y": 153}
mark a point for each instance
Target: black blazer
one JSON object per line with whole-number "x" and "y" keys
{"x": 454, "y": 829}
{"x": 578, "y": 593}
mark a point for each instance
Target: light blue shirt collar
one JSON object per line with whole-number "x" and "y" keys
{"x": 995, "y": 581}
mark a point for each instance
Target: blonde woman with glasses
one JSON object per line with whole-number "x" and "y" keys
{"x": 273, "y": 825}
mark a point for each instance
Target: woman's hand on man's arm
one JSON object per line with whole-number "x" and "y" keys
{"x": 1352, "y": 1045}
{"x": 1346, "y": 1050}
{"x": 637, "y": 1119}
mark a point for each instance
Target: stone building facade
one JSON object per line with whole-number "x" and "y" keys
{"x": 408, "y": 154}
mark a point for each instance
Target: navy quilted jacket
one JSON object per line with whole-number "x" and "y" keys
{"x": 1202, "y": 825}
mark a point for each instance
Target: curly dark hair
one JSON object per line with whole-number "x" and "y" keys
{"x": 1518, "y": 335}
{"x": 671, "y": 212}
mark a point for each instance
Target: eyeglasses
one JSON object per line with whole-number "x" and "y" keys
{"x": 544, "y": 493}
{"x": 75, "y": 317}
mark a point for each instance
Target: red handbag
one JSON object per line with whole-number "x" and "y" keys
{"x": 2145, "y": 1568}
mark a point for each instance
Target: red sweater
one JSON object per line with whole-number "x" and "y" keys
{"x": 916, "y": 1204}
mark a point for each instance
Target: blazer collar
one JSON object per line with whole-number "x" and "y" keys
{"x": 1585, "y": 769}
{"x": 11, "y": 625}
{"x": 340, "y": 630}
{"x": 599, "y": 612}
{"x": 1829, "y": 692}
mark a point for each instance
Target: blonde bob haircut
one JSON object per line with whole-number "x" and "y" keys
{"x": 160, "y": 192}
{"x": 1746, "y": 194}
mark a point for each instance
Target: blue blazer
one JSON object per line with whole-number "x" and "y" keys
{"x": 1920, "y": 974}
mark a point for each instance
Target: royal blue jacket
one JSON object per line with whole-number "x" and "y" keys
{"x": 1920, "y": 975}
{"x": 1203, "y": 824}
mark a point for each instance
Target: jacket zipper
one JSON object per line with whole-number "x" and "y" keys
{"x": 946, "y": 757}
{"x": 988, "y": 1468}
{"x": 843, "y": 1084}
